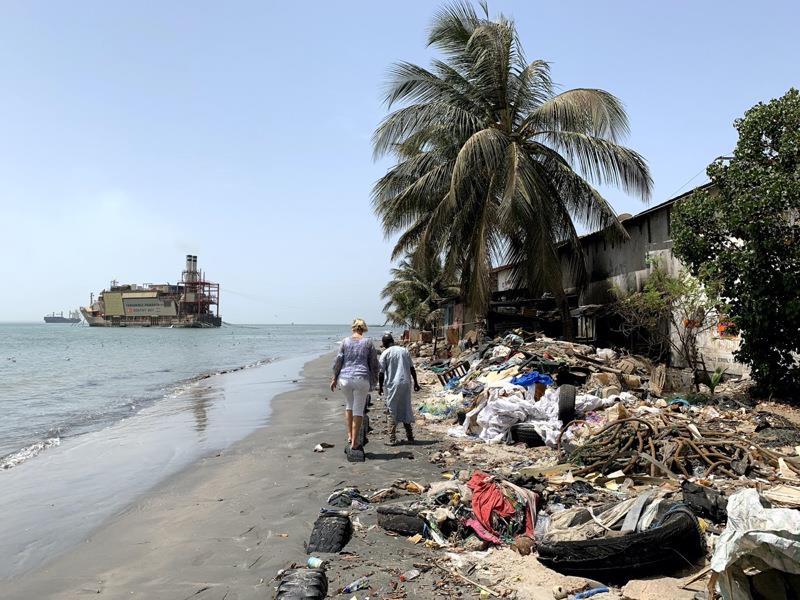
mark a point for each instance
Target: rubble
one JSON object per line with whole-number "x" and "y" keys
{"x": 639, "y": 437}
{"x": 569, "y": 472}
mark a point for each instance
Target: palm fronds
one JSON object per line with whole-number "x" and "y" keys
{"x": 492, "y": 165}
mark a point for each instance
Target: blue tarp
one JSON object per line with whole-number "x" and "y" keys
{"x": 528, "y": 379}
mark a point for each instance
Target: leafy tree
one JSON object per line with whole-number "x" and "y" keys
{"x": 743, "y": 234}
{"x": 671, "y": 312}
{"x": 492, "y": 165}
{"x": 417, "y": 288}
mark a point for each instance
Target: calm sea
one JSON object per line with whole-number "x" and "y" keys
{"x": 62, "y": 381}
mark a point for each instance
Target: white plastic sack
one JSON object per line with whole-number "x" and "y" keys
{"x": 505, "y": 406}
{"x": 755, "y": 537}
{"x": 500, "y": 351}
{"x": 544, "y": 416}
{"x": 606, "y": 354}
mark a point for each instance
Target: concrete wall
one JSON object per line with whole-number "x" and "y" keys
{"x": 624, "y": 265}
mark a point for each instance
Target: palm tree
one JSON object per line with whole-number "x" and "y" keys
{"x": 492, "y": 165}
{"x": 415, "y": 292}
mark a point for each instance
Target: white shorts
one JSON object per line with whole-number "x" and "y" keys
{"x": 355, "y": 392}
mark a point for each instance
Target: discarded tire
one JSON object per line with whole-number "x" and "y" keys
{"x": 566, "y": 403}
{"x": 303, "y": 584}
{"x": 400, "y": 520}
{"x": 675, "y": 543}
{"x": 524, "y": 432}
{"x": 331, "y": 533}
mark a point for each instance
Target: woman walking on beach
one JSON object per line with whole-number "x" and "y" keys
{"x": 356, "y": 371}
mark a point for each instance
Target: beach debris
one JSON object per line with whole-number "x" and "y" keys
{"x": 523, "y": 545}
{"x": 321, "y": 447}
{"x": 400, "y": 519}
{"x": 410, "y": 575}
{"x": 315, "y": 562}
{"x": 494, "y": 512}
{"x": 382, "y": 495}
{"x": 704, "y": 501}
{"x": 359, "y": 584}
{"x": 348, "y": 497}
{"x": 784, "y": 495}
{"x": 332, "y": 530}
{"x": 409, "y": 486}
{"x": 664, "y": 444}
{"x": 302, "y": 584}
{"x": 588, "y": 593}
{"x": 756, "y": 540}
{"x": 645, "y": 535}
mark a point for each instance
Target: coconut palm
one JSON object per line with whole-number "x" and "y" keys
{"x": 416, "y": 290}
{"x": 492, "y": 165}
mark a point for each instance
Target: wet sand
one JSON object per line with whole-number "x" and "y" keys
{"x": 224, "y": 526}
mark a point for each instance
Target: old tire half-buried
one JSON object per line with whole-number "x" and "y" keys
{"x": 303, "y": 584}
{"x": 525, "y": 432}
{"x": 566, "y": 403}
{"x": 330, "y": 534}
{"x": 675, "y": 543}
{"x": 400, "y": 520}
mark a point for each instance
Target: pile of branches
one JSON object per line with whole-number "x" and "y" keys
{"x": 666, "y": 447}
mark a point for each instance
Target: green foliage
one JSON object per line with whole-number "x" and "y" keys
{"x": 492, "y": 165}
{"x": 417, "y": 287}
{"x": 671, "y": 312}
{"x": 716, "y": 378}
{"x": 743, "y": 236}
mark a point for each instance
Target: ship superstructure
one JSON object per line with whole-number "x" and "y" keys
{"x": 193, "y": 302}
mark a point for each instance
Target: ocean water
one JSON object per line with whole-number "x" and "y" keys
{"x": 93, "y": 418}
{"x": 62, "y": 381}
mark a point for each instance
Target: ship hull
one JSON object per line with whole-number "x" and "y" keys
{"x": 205, "y": 322}
{"x": 61, "y": 320}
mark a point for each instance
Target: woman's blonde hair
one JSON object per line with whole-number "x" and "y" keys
{"x": 359, "y": 325}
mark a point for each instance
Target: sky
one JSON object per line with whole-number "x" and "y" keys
{"x": 133, "y": 133}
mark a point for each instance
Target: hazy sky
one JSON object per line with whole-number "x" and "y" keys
{"x": 132, "y": 133}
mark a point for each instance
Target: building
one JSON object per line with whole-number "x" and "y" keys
{"x": 610, "y": 264}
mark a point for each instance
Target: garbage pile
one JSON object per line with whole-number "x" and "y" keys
{"x": 631, "y": 480}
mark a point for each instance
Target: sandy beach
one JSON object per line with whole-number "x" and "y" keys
{"x": 223, "y": 527}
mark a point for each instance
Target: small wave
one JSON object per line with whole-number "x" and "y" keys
{"x": 19, "y": 457}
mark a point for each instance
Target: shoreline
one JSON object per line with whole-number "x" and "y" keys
{"x": 53, "y": 503}
{"x": 225, "y": 525}
{"x": 53, "y": 439}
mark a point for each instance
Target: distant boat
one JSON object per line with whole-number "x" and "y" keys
{"x": 74, "y": 317}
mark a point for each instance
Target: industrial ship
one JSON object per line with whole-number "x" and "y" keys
{"x": 192, "y": 302}
{"x": 74, "y": 317}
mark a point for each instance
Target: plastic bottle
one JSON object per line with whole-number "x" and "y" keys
{"x": 358, "y": 584}
{"x": 315, "y": 563}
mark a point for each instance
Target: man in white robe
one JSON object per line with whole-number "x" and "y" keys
{"x": 397, "y": 374}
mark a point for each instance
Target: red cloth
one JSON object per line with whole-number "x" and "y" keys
{"x": 487, "y": 497}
